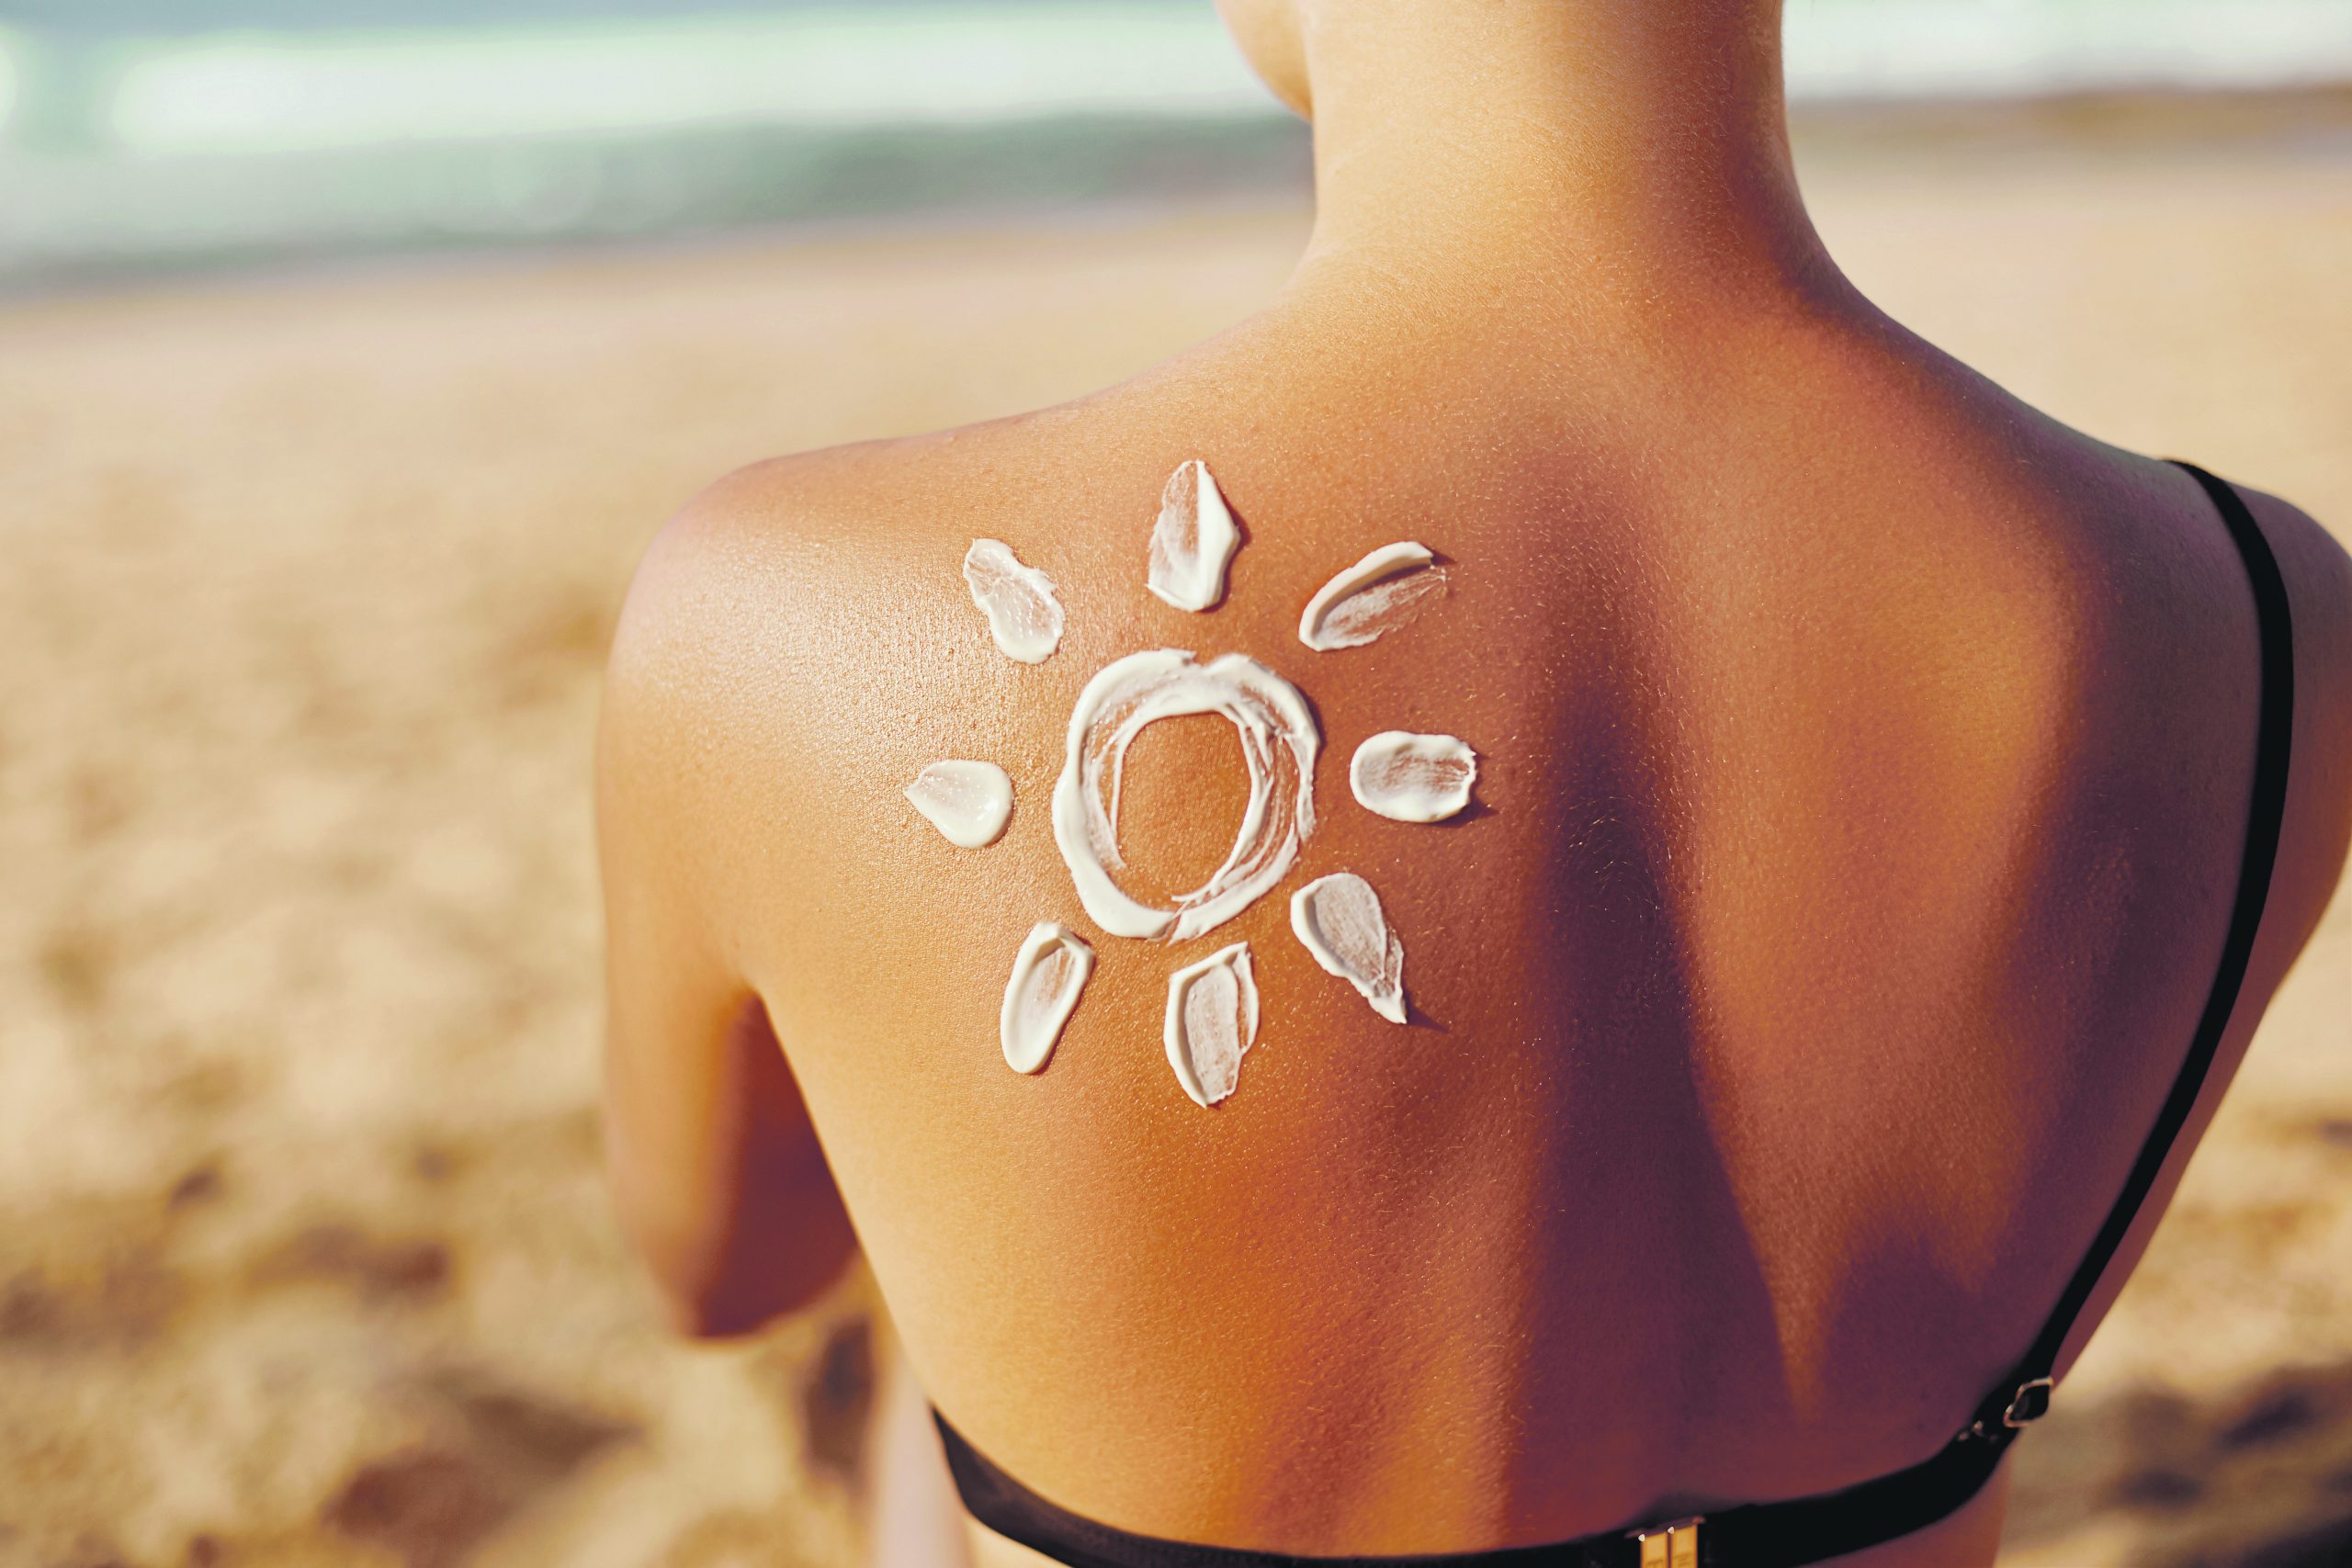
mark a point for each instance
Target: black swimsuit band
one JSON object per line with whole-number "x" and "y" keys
{"x": 1802, "y": 1530}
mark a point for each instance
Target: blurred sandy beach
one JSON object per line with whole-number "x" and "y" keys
{"x": 304, "y": 1257}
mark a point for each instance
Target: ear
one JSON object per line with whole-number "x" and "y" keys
{"x": 1273, "y": 41}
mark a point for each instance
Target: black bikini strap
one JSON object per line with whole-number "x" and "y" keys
{"x": 1802, "y": 1530}
{"x": 2027, "y": 1394}
{"x": 1759, "y": 1535}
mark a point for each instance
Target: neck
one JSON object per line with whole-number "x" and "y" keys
{"x": 1614, "y": 152}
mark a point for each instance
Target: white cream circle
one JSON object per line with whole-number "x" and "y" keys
{"x": 1279, "y": 742}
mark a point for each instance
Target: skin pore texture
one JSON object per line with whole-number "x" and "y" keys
{"x": 1863, "y": 760}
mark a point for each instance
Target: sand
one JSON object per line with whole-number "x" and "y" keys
{"x": 303, "y": 1255}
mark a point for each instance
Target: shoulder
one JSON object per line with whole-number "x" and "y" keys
{"x": 762, "y": 593}
{"x": 2191, "y": 623}
{"x": 811, "y": 534}
{"x": 758, "y": 577}
{"x": 2318, "y": 575}
{"x": 676, "y": 664}
{"x": 783, "y": 514}
{"x": 2318, "y": 572}
{"x": 788, "y": 630}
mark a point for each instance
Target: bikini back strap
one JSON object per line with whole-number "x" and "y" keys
{"x": 2024, "y": 1395}
{"x": 1757, "y": 1535}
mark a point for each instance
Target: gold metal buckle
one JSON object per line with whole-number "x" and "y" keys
{"x": 1671, "y": 1546}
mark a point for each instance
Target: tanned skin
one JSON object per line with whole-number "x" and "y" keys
{"x": 1865, "y": 761}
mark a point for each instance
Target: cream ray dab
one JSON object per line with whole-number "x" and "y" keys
{"x": 1376, "y": 596}
{"x": 1413, "y": 778}
{"x": 1048, "y": 973}
{"x": 1338, "y": 918}
{"x": 968, "y": 802}
{"x": 1193, "y": 542}
{"x": 1024, "y": 617}
{"x": 1212, "y": 1022}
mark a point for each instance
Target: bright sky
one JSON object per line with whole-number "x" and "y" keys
{"x": 830, "y": 68}
{"x": 9, "y": 87}
{"x": 953, "y": 61}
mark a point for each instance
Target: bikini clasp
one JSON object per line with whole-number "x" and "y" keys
{"x": 2030, "y": 1403}
{"x": 1670, "y": 1546}
{"x": 1997, "y": 1420}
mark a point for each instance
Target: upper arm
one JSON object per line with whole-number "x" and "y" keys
{"x": 714, "y": 1167}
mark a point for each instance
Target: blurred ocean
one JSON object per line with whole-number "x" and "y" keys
{"x": 142, "y": 134}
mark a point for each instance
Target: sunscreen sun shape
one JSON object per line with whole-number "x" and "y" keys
{"x": 968, "y": 802}
{"x": 1047, "y": 976}
{"x": 1194, "y": 541}
{"x": 1338, "y": 918}
{"x": 1371, "y": 599}
{"x": 1212, "y": 1022}
{"x": 1024, "y": 617}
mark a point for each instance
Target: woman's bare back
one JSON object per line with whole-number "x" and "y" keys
{"x": 1864, "y": 771}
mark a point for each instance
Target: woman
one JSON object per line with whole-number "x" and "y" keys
{"x": 1893, "y": 811}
